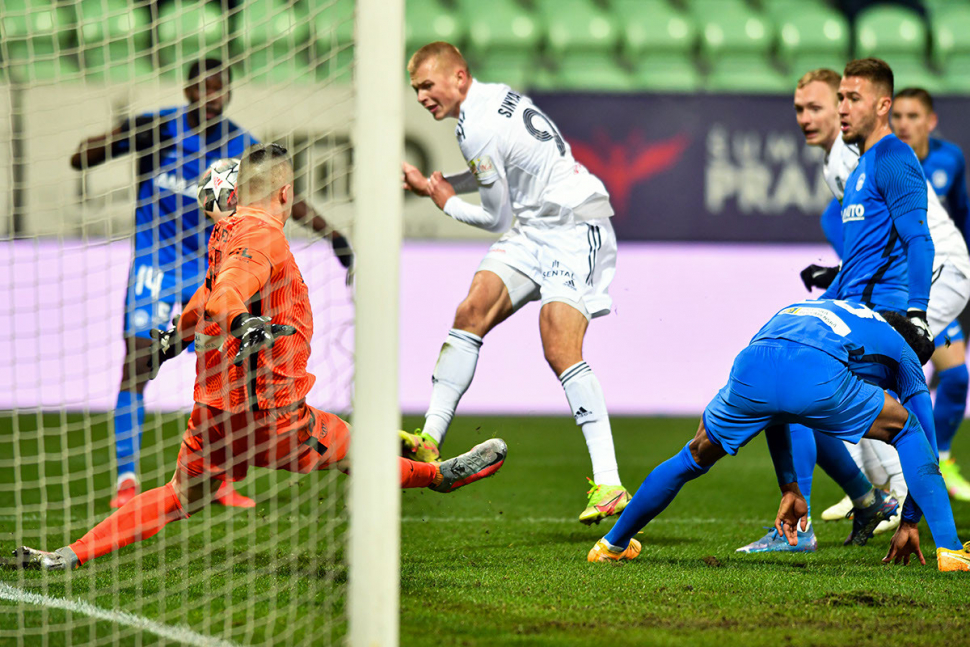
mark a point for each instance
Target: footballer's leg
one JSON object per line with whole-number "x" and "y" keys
{"x": 562, "y": 327}
{"x": 655, "y": 494}
{"x": 951, "y": 402}
{"x": 488, "y": 304}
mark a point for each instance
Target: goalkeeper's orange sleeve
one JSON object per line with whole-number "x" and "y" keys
{"x": 191, "y": 314}
{"x": 241, "y": 276}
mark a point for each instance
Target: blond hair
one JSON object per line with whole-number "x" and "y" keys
{"x": 829, "y": 77}
{"x": 444, "y": 52}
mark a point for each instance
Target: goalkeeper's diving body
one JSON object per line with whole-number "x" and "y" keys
{"x": 558, "y": 248}
{"x": 174, "y": 147}
{"x": 805, "y": 366}
{"x": 251, "y": 324}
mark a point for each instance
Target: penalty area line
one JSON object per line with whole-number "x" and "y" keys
{"x": 178, "y": 634}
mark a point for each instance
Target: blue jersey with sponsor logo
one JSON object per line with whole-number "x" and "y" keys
{"x": 946, "y": 169}
{"x": 856, "y": 336}
{"x": 171, "y": 232}
{"x": 885, "y": 231}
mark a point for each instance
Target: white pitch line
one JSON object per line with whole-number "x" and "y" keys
{"x": 179, "y": 634}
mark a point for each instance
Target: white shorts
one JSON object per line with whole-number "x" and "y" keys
{"x": 948, "y": 297}
{"x": 574, "y": 264}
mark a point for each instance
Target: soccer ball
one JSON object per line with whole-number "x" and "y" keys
{"x": 217, "y": 189}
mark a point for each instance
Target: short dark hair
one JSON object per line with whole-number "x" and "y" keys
{"x": 259, "y": 153}
{"x": 922, "y": 346}
{"x": 919, "y": 94}
{"x": 208, "y": 65}
{"x": 874, "y": 69}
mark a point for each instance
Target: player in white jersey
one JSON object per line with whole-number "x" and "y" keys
{"x": 951, "y": 264}
{"x": 558, "y": 248}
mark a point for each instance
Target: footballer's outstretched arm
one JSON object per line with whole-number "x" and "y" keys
{"x": 307, "y": 215}
{"x": 94, "y": 150}
{"x": 191, "y": 314}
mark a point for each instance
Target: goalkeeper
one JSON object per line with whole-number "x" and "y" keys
{"x": 173, "y": 147}
{"x": 252, "y": 327}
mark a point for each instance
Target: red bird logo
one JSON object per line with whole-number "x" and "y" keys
{"x": 623, "y": 165}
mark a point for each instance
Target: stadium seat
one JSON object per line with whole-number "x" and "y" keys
{"x": 950, "y": 29}
{"x": 188, "y": 30}
{"x": 582, "y": 43}
{"x": 333, "y": 52}
{"x": 665, "y": 74}
{"x": 735, "y": 43}
{"x": 113, "y": 40}
{"x": 778, "y": 11}
{"x": 36, "y": 37}
{"x": 274, "y": 40}
{"x": 502, "y": 42}
{"x": 658, "y": 42}
{"x": 747, "y": 74}
{"x": 812, "y": 31}
{"x": 885, "y": 30}
{"x": 908, "y": 72}
{"x": 427, "y": 21}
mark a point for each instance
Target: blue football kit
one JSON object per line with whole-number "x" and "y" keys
{"x": 171, "y": 232}
{"x": 171, "y": 236}
{"x": 811, "y": 365}
{"x": 887, "y": 251}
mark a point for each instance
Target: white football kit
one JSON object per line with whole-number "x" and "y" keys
{"x": 950, "y": 290}
{"x": 559, "y": 244}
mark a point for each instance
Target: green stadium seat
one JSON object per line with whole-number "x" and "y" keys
{"x": 753, "y": 73}
{"x": 653, "y": 27}
{"x": 913, "y": 71}
{"x": 333, "y": 51}
{"x": 778, "y": 11}
{"x": 512, "y": 68}
{"x": 735, "y": 30}
{"x": 950, "y": 33}
{"x": 666, "y": 73}
{"x": 887, "y": 30}
{"x": 582, "y": 42}
{"x": 189, "y": 30}
{"x": 275, "y": 41}
{"x": 813, "y": 31}
{"x": 427, "y": 21}
{"x": 802, "y": 63}
{"x": 503, "y": 40}
{"x": 593, "y": 72}
{"x": 37, "y": 36}
{"x": 113, "y": 40}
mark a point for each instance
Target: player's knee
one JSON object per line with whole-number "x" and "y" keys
{"x": 703, "y": 450}
{"x": 471, "y": 317}
{"x": 561, "y": 356}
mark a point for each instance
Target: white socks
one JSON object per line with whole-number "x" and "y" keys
{"x": 888, "y": 458}
{"x": 585, "y": 397}
{"x": 452, "y": 375}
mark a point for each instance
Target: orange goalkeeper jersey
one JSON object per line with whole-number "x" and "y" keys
{"x": 253, "y": 242}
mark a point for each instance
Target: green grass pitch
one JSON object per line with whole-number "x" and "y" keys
{"x": 500, "y": 562}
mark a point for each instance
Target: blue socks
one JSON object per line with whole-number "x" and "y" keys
{"x": 129, "y": 418}
{"x": 835, "y": 459}
{"x": 804, "y": 454}
{"x": 922, "y": 472}
{"x": 951, "y": 404}
{"x": 654, "y": 495}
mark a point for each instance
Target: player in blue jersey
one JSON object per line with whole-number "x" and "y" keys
{"x": 914, "y": 119}
{"x": 173, "y": 148}
{"x": 887, "y": 251}
{"x": 805, "y": 366}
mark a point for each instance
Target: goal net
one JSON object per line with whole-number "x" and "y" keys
{"x": 80, "y": 273}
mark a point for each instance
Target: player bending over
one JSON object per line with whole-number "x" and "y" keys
{"x": 174, "y": 147}
{"x": 803, "y": 367}
{"x": 252, "y": 326}
{"x": 560, "y": 250}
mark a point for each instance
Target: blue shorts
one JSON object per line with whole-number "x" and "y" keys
{"x": 953, "y": 333}
{"x": 776, "y": 381}
{"x": 151, "y": 295}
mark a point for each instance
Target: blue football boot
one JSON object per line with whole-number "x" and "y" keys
{"x": 775, "y": 543}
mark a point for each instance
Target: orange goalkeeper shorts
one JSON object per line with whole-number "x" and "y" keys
{"x": 298, "y": 438}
